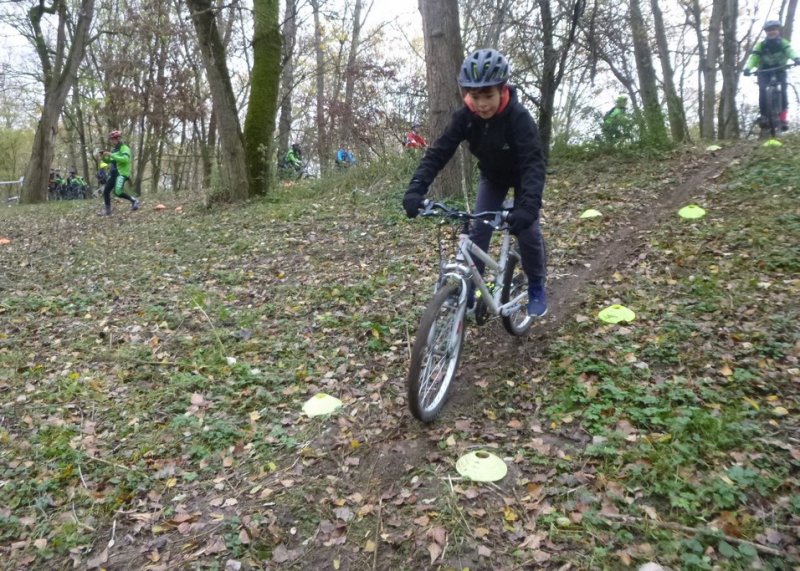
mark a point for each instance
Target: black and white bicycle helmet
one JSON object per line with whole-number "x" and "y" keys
{"x": 484, "y": 68}
{"x": 771, "y": 24}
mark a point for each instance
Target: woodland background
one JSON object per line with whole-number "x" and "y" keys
{"x": 209, "y": 93}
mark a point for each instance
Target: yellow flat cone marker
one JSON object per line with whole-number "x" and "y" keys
{"x": 321, "y": 404}
{"x": 591, "y": 213}
{"x": 713, "y": 148}
{"x": 773, "y": 143}
{"x": 480, "y": 466}
{"x": 616, "y": 313}
{"x": 691, "y": 211}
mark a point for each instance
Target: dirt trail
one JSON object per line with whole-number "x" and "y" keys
{"x": 605, "y": 257}
{"x": 626, "y": 242}
{"x": 405, "y": 445}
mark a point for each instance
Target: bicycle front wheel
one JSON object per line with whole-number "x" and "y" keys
{"x": 436, "y": 353}
{"x": 775, "y": 102}
{"x": 515, "y": 282}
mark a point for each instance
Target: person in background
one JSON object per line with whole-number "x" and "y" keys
{"x": 102, "y": 173}
{"x": 773, "y": 52}
{"x": 120, "y": 160}
{"x": 413, "y": 139}
{"x": 503, "y": 136}
{"x": 616, "y": 122}
{"x": 344, "y": 158}
{"x": 292, "y": 163}
{"x": 75, "y": 185}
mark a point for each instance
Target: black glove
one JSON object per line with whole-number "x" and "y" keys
{"x": 412, "y": 199}
{"x": 520, "y": 220}
{"x": 747, "y": 72}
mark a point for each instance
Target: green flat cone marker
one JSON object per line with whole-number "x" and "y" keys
{"x": 480, "y": 466}
{"x": 321, "y": 404}
{"x": 691, "y": 211}
{"x": 616, "y": 313}
{"x": 713, "y": 148}
{"x": 591, "y": 213}
{"x": 773, "y": 143}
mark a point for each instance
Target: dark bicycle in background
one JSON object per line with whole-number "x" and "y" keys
{"x": 771, "y": 123}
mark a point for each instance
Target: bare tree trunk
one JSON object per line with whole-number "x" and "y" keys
{"x": 547, "y": 84}
{"x": 653, "y": 117}
{"x": 788, "y": 21}
{"x": 323, "y": 146}
{"x": 554, "y": 63}
{"x": 443, "y": 57}
{"x": 287, "y": 76}
{"x": 709, "y": 68}
{"x": 80, "y": 129}
{"x": 350, "y": 75}
{"x": 728, "y": 111}
{"x": 59, "y": 75}
{"x": 233, "y": 168}
{"x": 263, "y": 104}
{"x": 677, "y": 116}
{"x": 695, "y": 18}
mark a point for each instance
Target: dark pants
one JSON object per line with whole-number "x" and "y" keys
{"x": 532, "y": 248}
{"x": 115, "y": 184}
{"x": 763, "y": 81}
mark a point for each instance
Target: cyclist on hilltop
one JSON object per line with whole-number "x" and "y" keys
{"x": 617, "y": 122}
{"x": 770, "y": 53}
{"x": 503, "y": 136}
{"x": 120, "y": 161}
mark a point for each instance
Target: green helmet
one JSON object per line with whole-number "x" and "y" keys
{"x": 622, "y": 101}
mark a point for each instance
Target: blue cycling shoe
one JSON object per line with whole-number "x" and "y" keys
{"x": 537, "y": 300}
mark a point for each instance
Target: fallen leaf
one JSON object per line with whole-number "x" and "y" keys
{"x": 435, "y": 550}
{"x": 98, "y": 560}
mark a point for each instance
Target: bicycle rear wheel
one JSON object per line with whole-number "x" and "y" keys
{"x": 515, "y": 282}
{"x": 436, "y": 353}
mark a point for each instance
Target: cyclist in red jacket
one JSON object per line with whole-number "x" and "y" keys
{"x": 414, "y": 140}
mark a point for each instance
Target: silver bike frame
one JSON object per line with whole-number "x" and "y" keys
{"x": 467, "y": 271}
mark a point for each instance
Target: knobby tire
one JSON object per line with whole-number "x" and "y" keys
{"x": 436, "y": 354}
{"x": 514, "y": 282}
{"x": 775, "y": 103}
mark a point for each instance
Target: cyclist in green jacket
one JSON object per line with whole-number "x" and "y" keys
{"x": 617, "y": 123}
{"x": 120, "y": 161}
{"x": 773, "y": 52}
{"x": 291, "y": 166}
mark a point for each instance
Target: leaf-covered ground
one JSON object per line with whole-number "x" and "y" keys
{"x": 153, "y": 366}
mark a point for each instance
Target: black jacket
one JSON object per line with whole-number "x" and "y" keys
{"x": 507, "y": 146}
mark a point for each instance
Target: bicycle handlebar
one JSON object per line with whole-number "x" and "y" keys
{"x": 432, "y": 208}
{"x": 771, "y": 69}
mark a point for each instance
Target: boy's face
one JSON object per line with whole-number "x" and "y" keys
{"x": 773, "y": 33}
{"x": 486, "y": 100}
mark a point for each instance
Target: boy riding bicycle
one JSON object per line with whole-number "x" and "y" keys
{"x": 773, "y": 52}
{"x": 505, "y": 139}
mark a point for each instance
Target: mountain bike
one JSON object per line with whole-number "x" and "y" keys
{"x": 771, "y": 123}
{"x": 440, "y": 337}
